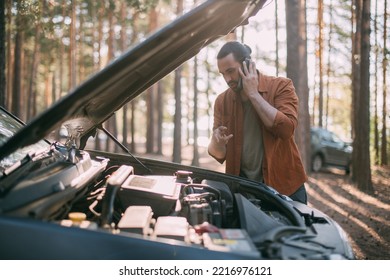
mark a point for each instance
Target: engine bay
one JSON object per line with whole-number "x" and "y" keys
{"x": 161, "y": 208}
{"x": 101, "y": 193}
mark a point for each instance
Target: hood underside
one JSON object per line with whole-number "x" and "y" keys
{"x": 95, "y": 100}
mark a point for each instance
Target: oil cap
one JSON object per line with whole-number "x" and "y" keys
{"x": 77, "y": 217}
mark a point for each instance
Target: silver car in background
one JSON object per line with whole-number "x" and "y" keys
{"x": 327, "y": 149}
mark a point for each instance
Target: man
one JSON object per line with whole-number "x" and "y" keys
{"x": 254, "y": 124}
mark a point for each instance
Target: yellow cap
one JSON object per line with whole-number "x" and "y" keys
{"x": 77, "y": 217}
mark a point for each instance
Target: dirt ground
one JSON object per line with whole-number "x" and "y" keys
{"x": 365, "y": 218}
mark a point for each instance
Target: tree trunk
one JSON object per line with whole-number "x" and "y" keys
{"x": 80, "y": 49}
{"x": 54, "y": 96}
{"x": 187, "y": 103}
{"x": 177, "y": 118}
{"x": 356, "y": 25}
{"x": 100, "y": 36}
{"x": 111, "y": 122}
{"x": 150, "y": 105}
{"x": 297, "y": 72}
{"x": 150, "y": 98}
{"x": 62, "y": 51}
{"x": 376, "y": 129}
{"x": 10, "y": 55}
{"x": 356, "y": 20}
{"x": 160, "y": 111}
{"x": 362, "y": 139}
{"x": 16, "y": 107}
{"x": 195, "y": 157}
{"x": 2, "y": 56}
{"x": 320, "y": 64}
{"x": 133, "y": 102}
{"x": 329, "y": 65}
{"x": 384, "y": 109}
{"x": 111, "y": 39}
{"x": 72, "y": 47}
{"x": 123, "y": 45}
{"x": 48, "y": 87}
{"x": 31, "y": 110}
{"x": 133, "y": 147}
{"x": 98, "y": 144}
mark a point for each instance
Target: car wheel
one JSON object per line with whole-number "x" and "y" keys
{"x": 348, "y": 169}
{"x": 317, "y": 163}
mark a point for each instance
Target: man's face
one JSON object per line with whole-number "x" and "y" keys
{"x": 228, "y": 67}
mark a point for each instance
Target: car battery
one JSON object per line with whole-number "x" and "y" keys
{"x": 231, "y": 240}
{"x": 161, "y": 193}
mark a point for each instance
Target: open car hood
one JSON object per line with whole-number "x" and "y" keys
{"x": 94, "y": 101}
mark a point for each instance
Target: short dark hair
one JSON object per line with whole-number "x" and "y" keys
{"x": 240, "y": 51}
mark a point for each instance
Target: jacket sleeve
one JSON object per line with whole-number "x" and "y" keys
{"x": 286, "y": 102}
{"x": 218, "y": 119}
{"x": 218, "y": 112}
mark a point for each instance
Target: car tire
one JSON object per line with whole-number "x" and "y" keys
{"x": 348, "y": 169}
{"x": 317, "y": 163}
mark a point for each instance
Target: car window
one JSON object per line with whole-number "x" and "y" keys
{"x": 315, "y": 138}
{"x": 8, "y": 127}
{"x": 335, "y": 138}
{"x": 326, "y": 136}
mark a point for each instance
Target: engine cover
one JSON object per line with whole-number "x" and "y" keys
{"x": 161, "y": 193}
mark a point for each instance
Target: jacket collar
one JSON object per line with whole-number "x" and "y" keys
{"x": 261, "y": 87}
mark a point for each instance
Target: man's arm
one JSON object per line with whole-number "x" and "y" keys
{"x": 281, "y": 119}
{"x": 219, "y": 139}
{"x": 286, "y": 120}
{"x": 266, "y": 112}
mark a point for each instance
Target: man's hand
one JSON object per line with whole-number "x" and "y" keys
{"x": 250, "y": 80}
{"x": 217, "y": 146}
{"x": 220, "y": 135}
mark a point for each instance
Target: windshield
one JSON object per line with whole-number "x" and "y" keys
{"x": 8, "y": 127}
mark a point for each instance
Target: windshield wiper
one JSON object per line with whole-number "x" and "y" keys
{"x": 18, "y": 164}
{"x": 15, "y": 171}
{"x": 22, "y": 168}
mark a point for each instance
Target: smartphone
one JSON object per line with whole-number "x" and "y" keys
{"x": 247, "y": 62}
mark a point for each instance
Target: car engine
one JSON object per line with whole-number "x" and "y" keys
{"x": 162, "y": 208}
{"x": 100, "y": 193}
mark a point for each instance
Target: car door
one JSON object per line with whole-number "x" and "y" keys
{"x": 335, "y": 149}
{"x": 340, "y": 155}
{"x": 328, "y": 146}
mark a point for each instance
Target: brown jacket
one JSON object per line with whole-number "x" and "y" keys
{"x": 282, "y": 164}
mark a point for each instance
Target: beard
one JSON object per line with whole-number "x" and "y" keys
{"x": 234, "y": 86}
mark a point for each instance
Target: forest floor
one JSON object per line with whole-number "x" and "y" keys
{"x": 364, "y": 217}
